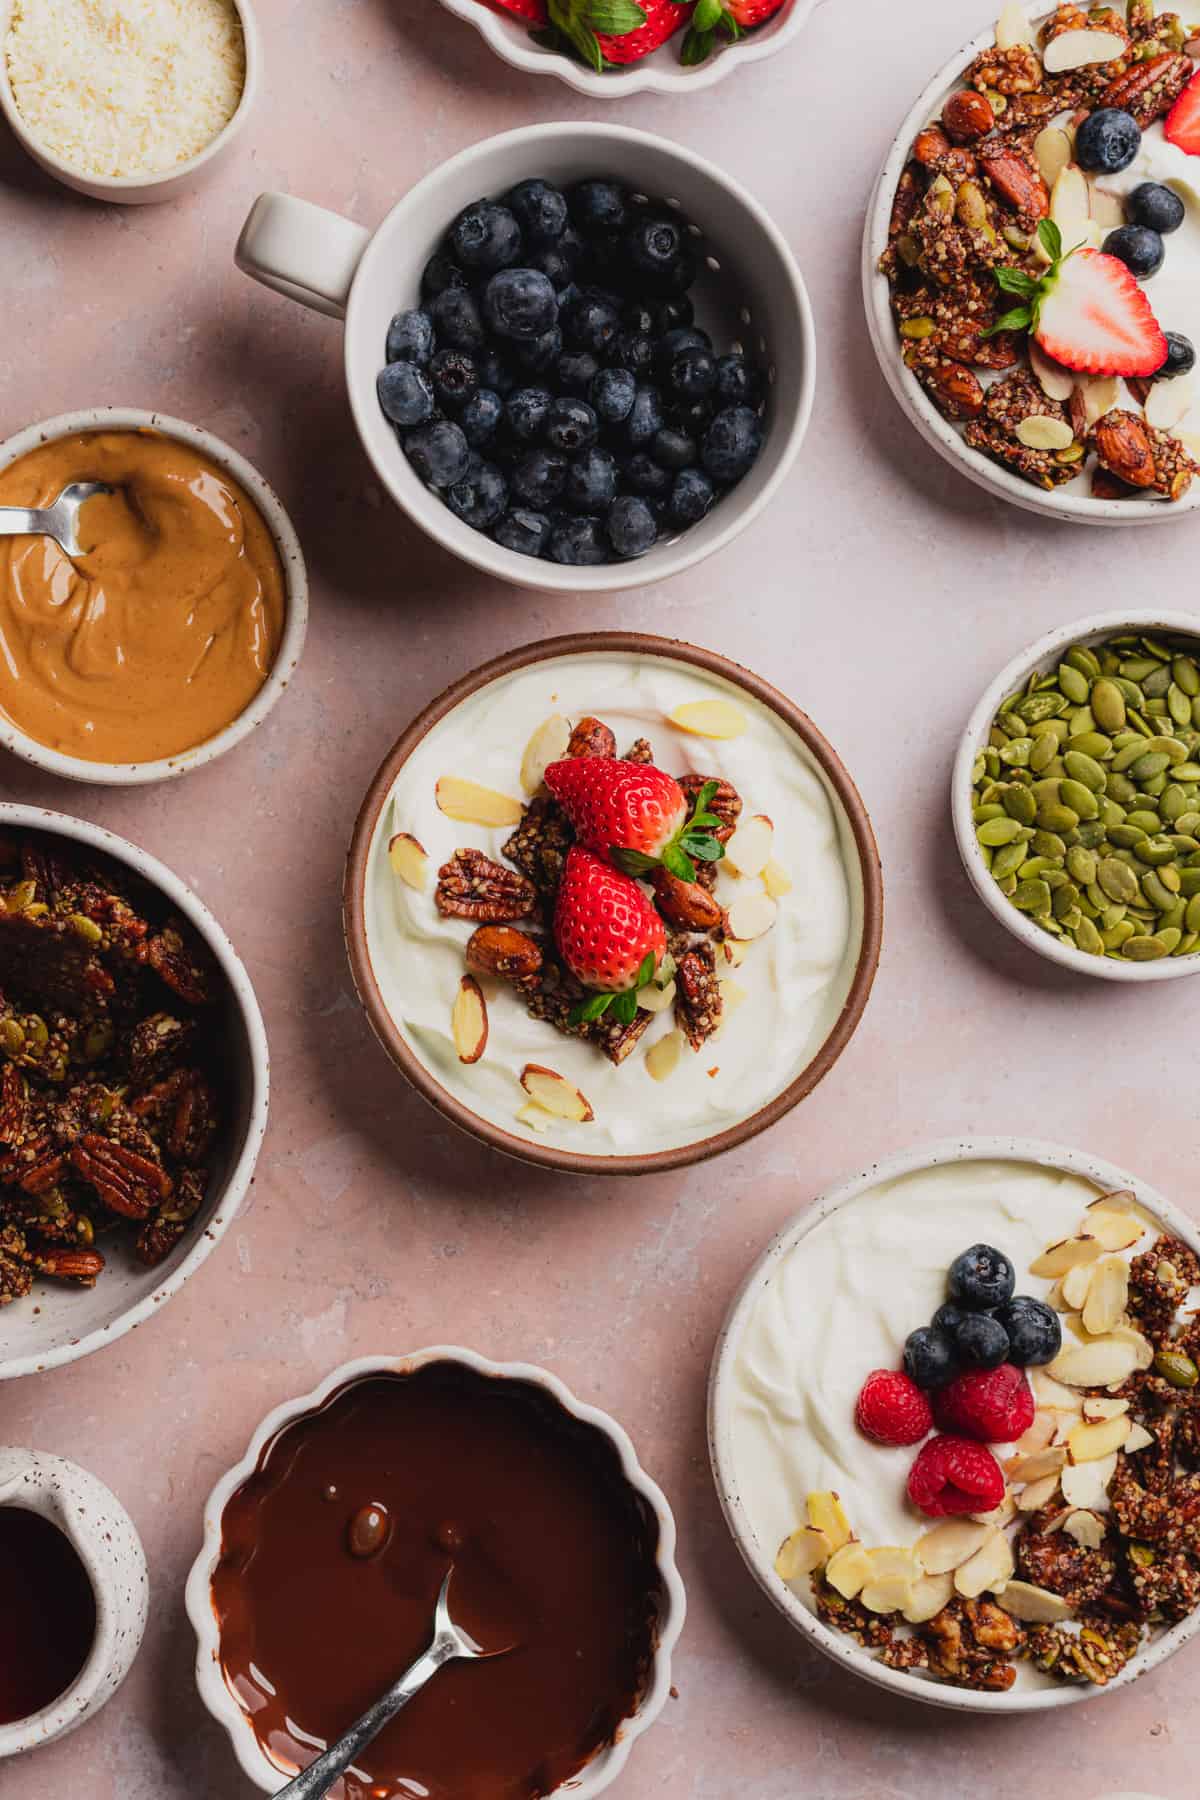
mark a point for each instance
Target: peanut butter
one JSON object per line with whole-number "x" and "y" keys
{"x": 163, "y": 631}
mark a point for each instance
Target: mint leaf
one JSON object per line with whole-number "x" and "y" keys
{"x": 1019, "y": 319}
{"x": 616, "y": 17}
{"x": 594, "y": 1006}
{"x": 705, "y": 821}
{"x": 707, "y": 15}
{"x": 624, "y": 1007}
{"x": 697, "y": 46}
{"x": 705, "y": 849}
{"x": 1050, "y": 238}
{"x": 646, "y": 971}
{"x": 1016, "y": 281}
{"x": 677, "y": 862}
{"x": 704, "y": 798}
{"x": 632, "y": 862}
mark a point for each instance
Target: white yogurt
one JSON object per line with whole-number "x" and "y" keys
{"x": 796, "y": 978}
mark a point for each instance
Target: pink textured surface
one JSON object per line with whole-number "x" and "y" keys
{"x": 881, "y": 592}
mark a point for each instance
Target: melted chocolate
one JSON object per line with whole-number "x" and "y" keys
{"x": 47, "y": 1613}
{"x": 551, "y": 1549}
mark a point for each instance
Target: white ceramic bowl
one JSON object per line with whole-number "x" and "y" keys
{"x": 604, "y": 1768}
{"x": 137, "y": 190}
{"x": 59, "y": 1324}
{"x": 1046, "y": 654}
{"x": 340, "y": 269}
{"x": 1072, "y": 501}
{"x": 660, "y": 73}
{"x": 106, "y": 1541}
{"x": 295, "y": 623}
{"x": 760, "y": 1558}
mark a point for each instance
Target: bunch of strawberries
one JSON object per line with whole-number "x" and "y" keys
{"x": 606, "y": 33}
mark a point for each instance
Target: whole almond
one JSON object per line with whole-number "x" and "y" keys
{"x": 1123, "y": 446}
{"x": 685, "y": 903}
{"x": 500, "y": 950}
{"x": 591, "y": 737}
{"x": 968, "y": 115}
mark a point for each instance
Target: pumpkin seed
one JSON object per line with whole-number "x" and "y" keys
{"x": 1020, "y": 805}
{"x": 1088, "y": 939}
{"x": 1108, "y": 705}
{"x": 998, "y": 831}
{"x": 1142, "y": 949}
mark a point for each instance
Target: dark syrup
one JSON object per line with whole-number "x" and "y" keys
{"x": 47, "y": 1613}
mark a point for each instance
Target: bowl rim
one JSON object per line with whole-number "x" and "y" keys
{"x": 295, "y": 577}
{"x": 938, "y": 432}
{"x": 639, "y": 78}
{"x": 836, "y": 1645}
{"x": 198, "y": 1589}
{"x": 1012, "y": 676}
{"x": 121, "y": 187}
{"x": 16, "y": 814}
{"x": 433, "y": 517}
{"x": 833, "y": 772}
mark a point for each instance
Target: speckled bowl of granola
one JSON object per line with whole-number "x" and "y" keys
{"x": 1097, "y": 1532}
{"x": 454, "y": 875}
{"x": 964, "y": 190}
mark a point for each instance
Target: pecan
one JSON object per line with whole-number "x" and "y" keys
{"x": 472, "y": 886}
{"x": 162, "y": 1232}
{"x": 1018, "y": 185}
{"x": 154, "y": 1044}
{"x": 182, "y": 962}
{"x": 726, "y": 803}
{"x": 1122, "y": 443}
{"x": 78, "y": 1266}
{"x": 685, "y": 903}
{"x": 179, "y": 1112}
{"x": 591, "y": 737}
{"x": 954, "y": 389}
{"x": 967, "y": 115}
{"x": 498, "y": 950}
{"x": 127, "y": 1183}
{"x": 1149, "y": 89}
{"x": 698, "y": 1002}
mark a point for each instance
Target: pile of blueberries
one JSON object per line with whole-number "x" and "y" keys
{"x": 1107, "y": 142}
{"x": 552, "y": 385}
{"x": 981, "y": 1324}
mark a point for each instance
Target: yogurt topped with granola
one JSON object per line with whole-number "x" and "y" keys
{"x": 625, "y": 1000}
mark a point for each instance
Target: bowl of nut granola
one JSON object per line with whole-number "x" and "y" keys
{"x": 973, "y": 1483}
{"x": 133, "y": 1087}
{"x": 1031, "y": 263}
{"x": 613, "y": 904}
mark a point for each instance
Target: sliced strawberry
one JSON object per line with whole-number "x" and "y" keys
{"x": 605, "y": 32}
{"x": 534, "y": 11}
{"x": 608, "y": 934}
{"x": 1088, "y": 311}
{"x": 1182, "y": 125}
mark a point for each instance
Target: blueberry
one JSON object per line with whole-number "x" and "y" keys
{"x": 486, "y": 237}
{"x": 480, "y": 417}
{"x": 577, "y": 540}
{"x": 982, "y": 1276}
{"x": 981, "y": 1339}
{"x": 948, "y": 1318}
{"x": 645, "y": 476}
{"x": 680, "y": 337}
{"x": 1034, "y": 1333}
{"x": 456, "y": 320}
{"x": 612, "y": 393}
{"x": 737, "y": 383}
{"x": 691, "y": 496}
{"x": 669, "y": 315}
{"x": 455, "y": 378}
{"x": 645, "y": 417}
{"x": 519, "y": 303}
{"x": 1181, "y": 356}
{"x": 539, "y": 476}
{"x": 659, "y": 251}
{"x": 637, "y": 316}
{"x": 540, "y": 353}
{"x": 480, "y": 497}
{"x": 691, "y": 374}
{"x": 630, "y": 350}
{"x": 405, "y": 393}
{"x": 692, "y": 416}
{"x": 495, "y": 373}
{"x": 929, "y": 1358}
{"x": 1140, "y": 249}
{"x": 539, "y": 209}
{"x": 555, "y": 264}
{"x": 589, "y": 322}
{"x": 440, "y": 273}
{"x": 598, "y": 206}
{"x": 524, "y": 531}
{"x": 438, "y": 452}
{"x": 410, "y": 337}
{"x": 571, "y": 425}
{"x": 575, "y": 371}
{"x": 1107, "y": 141}
{"x": 631, "y": 525}
{"x": 673, "y": 449}
{"x": 567, "y": 297}
{"x": 525, "y": 412}
{"x": 731, "y": 444}
{"x": 591, "y": 482}
{"x": 1155, "y": 206}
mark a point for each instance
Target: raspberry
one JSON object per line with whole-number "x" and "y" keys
{"x": 955, "y": 1475}
{"x": 892, "y": 1409}
{"x": 994, "y": 1405}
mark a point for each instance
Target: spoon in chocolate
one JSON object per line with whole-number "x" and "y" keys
{"x": 59, "y": 520}
{"x": 450, "y": 1643}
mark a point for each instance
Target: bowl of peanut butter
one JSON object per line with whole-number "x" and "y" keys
{"x": 174, "y": 630}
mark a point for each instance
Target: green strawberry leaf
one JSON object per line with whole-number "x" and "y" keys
{"x": 624, "y": 1007}
{"x": 1050, "y": 238}
{"x": 708, "y": 15}
{"x": 632, "y": 862}
{"x": 646, "y": 971}
{"x": 705, "y": 821}
{"x": 677, "y": 862}
{"x": 703, "y": 847}
{"x": 696, "y": 47}
{"x": 568, "y": 16}
{"x": 593, "y": 1006}
{"x": 615, "y": 17}
{"x": 704, "y": 798}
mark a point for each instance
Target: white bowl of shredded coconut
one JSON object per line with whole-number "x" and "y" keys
{"x": 127, "y": 100}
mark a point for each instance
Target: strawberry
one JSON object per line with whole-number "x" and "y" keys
{"x": 608, "y": 934}
{"x": 1182, "y": 124}
{"x": 1087, "y": 312}
{"x": 635, "y": 814}
{"x": 532, "y": 10}
{"x": 729, "y": 17}
{"x": 604, "y": 32}
{"x": 750, "y": 13}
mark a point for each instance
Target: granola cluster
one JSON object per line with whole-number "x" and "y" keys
{"x": 108, "y": 1100}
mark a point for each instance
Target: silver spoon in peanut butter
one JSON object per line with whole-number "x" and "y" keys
{"x": 59, "y": 520}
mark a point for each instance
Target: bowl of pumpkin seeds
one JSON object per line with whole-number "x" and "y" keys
{"x": 1076, "y": 796}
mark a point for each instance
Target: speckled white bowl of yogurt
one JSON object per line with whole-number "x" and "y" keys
{"x": 833, "y": 1297}
{"x": 805, "y": 982}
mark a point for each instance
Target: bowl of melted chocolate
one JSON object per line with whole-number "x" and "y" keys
{"x": 326, "y": 1546}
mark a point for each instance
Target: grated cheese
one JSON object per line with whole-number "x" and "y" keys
{"x": 125, "y": 87}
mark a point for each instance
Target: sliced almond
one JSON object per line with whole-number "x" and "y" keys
{"x": 1033, "y": 1468}
{"x": 1067, "y": 1421}
{"x": 1107, "y": 1294}
{"x": 1115, "y": 1230}
{"x": 1139, "y": 1439}
{"x": 1037, "y": 1494}
{"x": 947, "y": 1545}
{"x": 1056, "y": 382}
{"x": 1070, "y": 205}
{"x": 469, "y": 1020}
{"x": 752, "y": 916}
{"x": 890, "y": 1593}
{"x": 990, "y": 1567}
{"x": 709, "y": 718}
{"x": 1089, "y": 1443}
{"x": 1075, "y": 1284}
{"x": 1052, "y": 149}
{"x": 1004, "y": 1514}
{"x": 1080, "y": 49}
{"x": 894, "y": 1559}
{"x": 827, "y": 1514}
{"x": 1086, "y": 1484}
{"x": 548, "y": 744}
{"x": 1095, "y": 1364}
{"x": 535, "y": 1116}
{"x": 662, "y": 1059}
{"x": 1055, "y": 1299}
{"x": 1050, "y": 1393}
{"x": 1141, "y": 1347}
{"x": 1066, "y": 1254}
{"x": 472, "y": 804}
{"x": 1038, "y": 1436}
{"x": 806, "y": 1550}
{"x": 1087, "y": 1528}
{"x": 654, "y": 999}
{"x": 776, "y": 880}
{"x": 1169, "y": 401}
{"x": 1033, "y": 1605}
{"x": 1013, "y": 27}
{"x": 749, "y": 849}
{"x": 554, "y": 1092}
{"x": 927, "y": 1596}
{"x": 1100, "y": 394}
{"x": 1042, "y": 432}
{"x": 848, "y": 1570}
{"x": 409, "y": 861}
{"x": 1101, "y": 1406}
{"x": 1108, "y": 210}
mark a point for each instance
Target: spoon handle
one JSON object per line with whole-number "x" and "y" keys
{"x": 315, "y": 1781}
{"x": 23, "y": 521}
